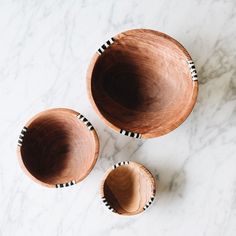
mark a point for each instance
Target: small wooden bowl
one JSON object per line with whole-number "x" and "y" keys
{"x": 128, "y": 188}
{"x": 142, "y": 83}
{"x": 58, "y": 148}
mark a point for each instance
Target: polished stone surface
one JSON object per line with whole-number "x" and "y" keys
{"x": 45, "y": 49}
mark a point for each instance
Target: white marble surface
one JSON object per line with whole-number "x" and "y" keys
{"x": 45, "y": 48}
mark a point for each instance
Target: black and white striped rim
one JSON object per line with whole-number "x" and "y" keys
{"x": 22, "y": 134}
{"x": 72, "y": 182}
{"x": 130, "y": 134}
{"x": 120, "y": 164}
{"x": 108, "y": 205}
{"x": 85, "y": 121}
{"x": 193, "y": 70}
{"x": 105, "y": 45}
{"x": 150, "y": 201}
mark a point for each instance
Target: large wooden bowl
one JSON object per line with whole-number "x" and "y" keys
{"x": 58, "y": 148}
{"x": 128, "y": 188}
{"x": 142, "y": 83}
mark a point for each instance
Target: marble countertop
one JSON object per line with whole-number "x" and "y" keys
{"x": 45, "y": 49}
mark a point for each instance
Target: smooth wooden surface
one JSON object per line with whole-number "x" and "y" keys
{"x": 128, "y": 188}
{"x": 58, "y": 148}
{"x": 142, "y": 83}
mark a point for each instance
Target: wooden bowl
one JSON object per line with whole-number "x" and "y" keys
{"x": 142, "y": 83}
{"x": 128, "y": 188}
{"x": 58, "y": 148}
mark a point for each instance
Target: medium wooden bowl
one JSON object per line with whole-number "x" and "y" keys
{"x": 128, "y": 188}
{"x": 58, "y": 148}
{"x": 142, "y": 83}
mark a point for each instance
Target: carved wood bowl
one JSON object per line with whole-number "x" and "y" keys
{"x": 128, "y": 188}
{"x": 142, "y": 83}
{"x": 58, "y": 148}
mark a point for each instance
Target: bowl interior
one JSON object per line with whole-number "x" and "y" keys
{"x": 58, "y": 148}
{"x": 142, "y": 83}
{"x": 128, "y": 188}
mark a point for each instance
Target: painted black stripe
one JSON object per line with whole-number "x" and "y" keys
{"x": 86, "y": 122}
{"x": 24, "y": 130}
{"x": 100, "y": 50}
{"x": 21, "y": 136}
{"x": 132, "y": 135}
{"x": 104, "y": 46}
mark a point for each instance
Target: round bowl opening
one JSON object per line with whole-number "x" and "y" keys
{"x": 142, "y": 83}
{"x": 58, "y": 147}
{"x": 128, "y": 189}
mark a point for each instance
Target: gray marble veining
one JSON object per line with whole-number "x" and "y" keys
{"x": 45, "y": 49}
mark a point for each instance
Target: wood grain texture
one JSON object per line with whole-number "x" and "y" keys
{"x": 128, "y": 189}
{"x": 58, "y": 148}
{"x": 142, "y": 83}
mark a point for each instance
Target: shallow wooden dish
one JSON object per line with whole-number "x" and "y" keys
{"x": 58, "y": 148}
{"x": 128, "y": 188}
{"x": 142, "y": 83}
